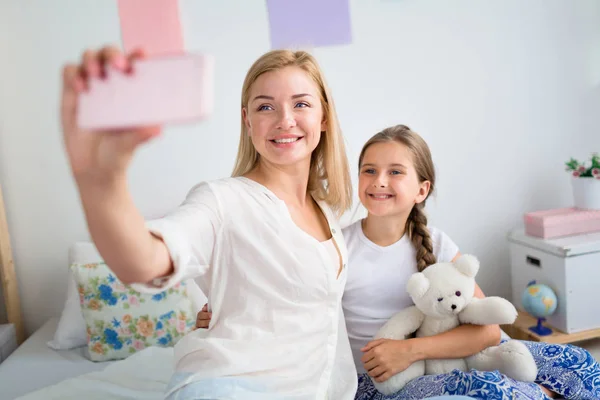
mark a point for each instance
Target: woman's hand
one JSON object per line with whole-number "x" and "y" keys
{"x": 98, "y": 156}
{"x": 384, "y": 358}
{"x": 98, "y": 160}
{"x": 203, "y": 318}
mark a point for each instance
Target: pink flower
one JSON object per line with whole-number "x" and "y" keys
{"x": 576, "y": 173}
{"x": 98, "y": 348}
{"x": 180, "y": 326}
{"x": 581, "y": 168}
{"x": 160, "y": 333}
{"x": 145, "y": 327}
{"x": 138, "y": 345}
{"x": 125, "y": 331}
{"x": 134, "y": 301}
{"x": 596, "y": 172}
{"x": 172, "y": 321}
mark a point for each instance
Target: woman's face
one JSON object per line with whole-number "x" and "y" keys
{"x": 284, "y": 116}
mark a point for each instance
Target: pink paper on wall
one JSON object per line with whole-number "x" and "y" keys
{"x": 153, "y": 25}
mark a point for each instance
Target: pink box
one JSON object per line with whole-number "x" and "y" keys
{"x": 561, "y": 222}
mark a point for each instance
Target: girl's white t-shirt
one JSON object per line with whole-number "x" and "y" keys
{"x": 277, "y": 329}
{"x": 376, "y": 285}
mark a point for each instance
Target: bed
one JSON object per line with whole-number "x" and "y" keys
{"x": 73, "y": 356}
{"x": 35, "y": 372}
{"x": 34, "y": 365}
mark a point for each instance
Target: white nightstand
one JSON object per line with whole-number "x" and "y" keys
{"x": 8, "y": 340}
{"x": 570, "y": 266}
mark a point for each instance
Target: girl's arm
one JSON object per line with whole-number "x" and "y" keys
{"x": 460, "y": 342}
{"x": 384, "y": 358}
{"x": 463, "y": 341}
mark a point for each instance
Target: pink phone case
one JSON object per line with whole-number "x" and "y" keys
{"x": 161, "y": 90}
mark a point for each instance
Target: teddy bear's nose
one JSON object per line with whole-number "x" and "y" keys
{"x": 453, "y": 306}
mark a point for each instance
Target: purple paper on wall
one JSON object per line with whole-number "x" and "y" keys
{"x": 312, "y": 23}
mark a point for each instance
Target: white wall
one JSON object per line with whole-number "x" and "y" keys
{"x": 504, "y": 91}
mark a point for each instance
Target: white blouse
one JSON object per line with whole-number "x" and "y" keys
{"x": 277, "y": 324}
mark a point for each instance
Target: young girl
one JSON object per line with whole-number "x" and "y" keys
{"x": 396, "y": 176}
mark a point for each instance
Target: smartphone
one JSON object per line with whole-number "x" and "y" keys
{"x": 160, "y": 90}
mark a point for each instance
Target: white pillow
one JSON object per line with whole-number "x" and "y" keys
{"x": 71, "y": 331}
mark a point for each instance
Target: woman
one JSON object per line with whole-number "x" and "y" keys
{"x": 264, "y": 245}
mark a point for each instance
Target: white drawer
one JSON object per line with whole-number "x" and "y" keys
{"x": 574, "y": 277}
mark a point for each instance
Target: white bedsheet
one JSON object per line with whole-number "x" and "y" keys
{"x": 34, "y": 365}
{"x": 142, "y": 376}
{"x": 36, "y": 372}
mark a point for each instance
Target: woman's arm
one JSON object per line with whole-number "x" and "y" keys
{"x": 119, "y": 232}
{"x": 99, "y": 161}
{"x": 175, "y": 247}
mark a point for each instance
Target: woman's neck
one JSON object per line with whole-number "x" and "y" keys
{"x": 289, "y": 183}
{"x": 384, "y": 231}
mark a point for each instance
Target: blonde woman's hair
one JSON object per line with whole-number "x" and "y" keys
{"x": 416, "y": 224}
{"x": 329, "y": 176}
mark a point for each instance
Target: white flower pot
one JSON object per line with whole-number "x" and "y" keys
{"x": 586, "y": 193}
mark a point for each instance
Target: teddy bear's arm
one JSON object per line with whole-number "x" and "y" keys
{"x": 488, "y": 311}
{"x": 402, "y": 324}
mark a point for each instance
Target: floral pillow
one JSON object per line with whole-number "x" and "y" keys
{"x": 121, "y": 321}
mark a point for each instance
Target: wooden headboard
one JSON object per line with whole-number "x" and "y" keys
{"x": 10, "y": 287}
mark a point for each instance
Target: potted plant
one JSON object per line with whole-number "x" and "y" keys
{"x": 586, "y": 182}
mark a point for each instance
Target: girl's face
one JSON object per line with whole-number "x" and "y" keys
{"x": 388, "y": 184}
{"x": 284, "y": 116}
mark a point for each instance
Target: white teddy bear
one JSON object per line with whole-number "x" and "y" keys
{"x": 443, "y": 297}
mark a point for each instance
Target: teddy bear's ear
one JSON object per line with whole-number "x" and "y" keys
{"x": 417, "y": 285}
{"x": 468, "y": 265}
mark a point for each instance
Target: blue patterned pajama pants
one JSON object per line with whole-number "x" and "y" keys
{"x": 568, "y": 370}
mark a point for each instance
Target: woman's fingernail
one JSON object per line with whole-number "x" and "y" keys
{"x": 93, "y": 69}
{"x": 120, "y": 62}
{"x": 78, "y": 84}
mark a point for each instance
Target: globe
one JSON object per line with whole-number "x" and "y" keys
{"x": 540, "y": 301}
